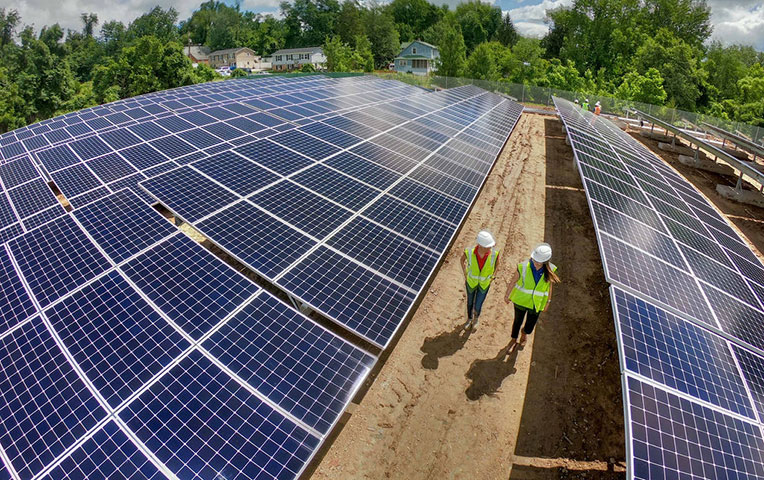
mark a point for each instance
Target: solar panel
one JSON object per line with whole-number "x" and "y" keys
{"x": 236, "y": 172}
{"x": 410, "y": 222}
{"x": 373, "y": 307}
{"x": 75, "y": 180}
{"x": 115, "y": 336}
{"x": 123, "y": 225}
{"x": 44, "y": 405}
{"x": 188, "y": 193}
{"x": 299, "y": 207}
{"x": 57, "y": 258}
{"x": 672, "y": 437}
{"x": 189, "y": 284}
{"x": 274, "y": 157}
{"x": 107, "y": 454}
{"x": 15, "y": 304}
{"x": 17, "y": 172}
{"x": 253, "y": 237}
{"x": 317, "y": 372}
{"x": 363, "y": 170}
{"x": 203, "y": 424}
{"x": 32, "y": 197}
{"x": 438, "y": 204}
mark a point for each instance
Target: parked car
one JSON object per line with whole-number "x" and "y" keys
{"x": 224, "y": 71}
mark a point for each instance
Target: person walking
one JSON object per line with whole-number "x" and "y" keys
{"x": 597, "y": 108}
{"x": 531, "y": 291}
{"x": 479, "y": 267}
{"x": 585, "y": 105}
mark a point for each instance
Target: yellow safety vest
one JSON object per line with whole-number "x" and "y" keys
{"x": 475, "y": 276}
{"x": 527, "y": 293}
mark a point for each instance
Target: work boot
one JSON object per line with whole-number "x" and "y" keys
{"x": 468, "y": 324}
{"x": 475, "y": 323}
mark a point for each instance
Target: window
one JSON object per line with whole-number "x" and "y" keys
{"x": 278, "y": 58}
{"x": 413, "y": 50}
{"x": 419, "y": 64}
{"x": 403, "y": 63}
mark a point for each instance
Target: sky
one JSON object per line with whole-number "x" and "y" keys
{"x": 734, "y": 21}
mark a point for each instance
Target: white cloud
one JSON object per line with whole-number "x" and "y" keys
{"x": 530, "y": 19}
{"x": 738, "y": 22}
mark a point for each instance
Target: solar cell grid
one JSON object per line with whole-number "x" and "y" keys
{"x": 373, "y": 307}
{"x": 330, "y": 134}
{"x": 143, "y": 156}
{"x": 15, "y": 304}
{"x": 37, "y": 382}
{"x": 384, "y": 157}
{"x": 675, "y": 438}
{"x": 305, "y": 144}
{"x": 7, "y": 216}
{"x": 17, "y": 172}
{"x": 264, "y": 243}
{"x": 190, "y": 285}
{"x": 363, "y": 170}
{"x": 412, "y": 223}
{"x": 336, "y": 186}
{"x": 119, "y": 139}
{"x": 107, "y": 454}
{"x": 736, "y": 318}
{"x": 200, "y": 138}
{"x": 641, "y": 272}
{"x": 90, "y": 147}
{"x": 317, "y": 372}
{"x": 680, "y": 355}
{"x": 172, "y": 147}
{"x": 235, "y": 172}
{"x": 444, "y": 183}
{"x": 32, "y": 197}
{"x": 274, "y": 157}
{"x": 57, "y": 158}
{"x": 115, "y": 336}
{"x": 75, "y": 180}
{"x": 613, "y": 183}
{"x": 188, "y": 193}
{"x": 438, "y": 204}
{"x": 395, "y": 144}
{"x": 203, "y": 424}
{"x": 87, "y": 197}
{"x": 457, "y": 170}
{"x": 148, "y": 130}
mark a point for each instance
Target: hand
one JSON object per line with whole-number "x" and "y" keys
{"x": 506, "y": 299}
{"x": 546, "y": 306}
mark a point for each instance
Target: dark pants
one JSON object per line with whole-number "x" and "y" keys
{"x": 520, "y": 313}
{"x": 475, "y": 298}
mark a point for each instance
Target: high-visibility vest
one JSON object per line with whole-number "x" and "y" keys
{"x": 527, "y": 293}
{"x": 585, "y": 106}
{"x": 597, "y": 110}
{"x": 476, "y": 276}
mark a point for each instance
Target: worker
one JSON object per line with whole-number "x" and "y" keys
{"x": 576, "y": 102}
{"x": 597, "y": 108}
{"x": 585, "y": 105}
{"x": 531, "y": 291}
{"x": 479, "y": 267}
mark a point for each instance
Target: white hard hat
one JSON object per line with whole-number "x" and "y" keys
{"x": 542, "y": 253}
{"x": 587, "y": 100}
{"x": 597, "y": 104}
{"x": 485, "y": 239}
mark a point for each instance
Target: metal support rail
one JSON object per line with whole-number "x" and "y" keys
{"x": 742, "y": 143}
{"x": 743, "y": 167}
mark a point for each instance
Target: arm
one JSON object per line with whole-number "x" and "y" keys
{"x": 549, "y": 298}
{"x": 511, "y": 286}
{"x": 464, "y": 266}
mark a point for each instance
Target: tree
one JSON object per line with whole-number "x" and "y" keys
{"x": 349, "y": 22}
{"x": 238, "y": 73}
{"x": 307, "y": 68}
{"x": 452, "y": 49}
{"x": 9, "y": 21}
{"x": 158, "y": 23}
{"x": 338, "y": 54}
{"x": 506, "y": 33}
{"x": 113, "y": 37}
{"x": 413, "y": 17}
{"x": 89, "y": 22}
{"x": 481, "y": 63}
{"x": 205, "y": 73}
{"x": 309, "y": 22}
{"x": 647, "y": 88}
{"x": 380, "y": 29}
{"x": 363, "y": 59}
{"x": 479, "y": 21}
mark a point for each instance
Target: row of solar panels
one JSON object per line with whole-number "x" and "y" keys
{"x": 93, "y": 165}
{"x": 352, "y": 226}
{"x": 688, "y": 301}
{"x": 128, "y": 350}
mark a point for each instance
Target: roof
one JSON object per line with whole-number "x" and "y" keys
{"x": 286, "y": 51}
{"x": 199, "y": 52}
{"x": 231, "y": 50}
{"x": 409, "y": 57}
{"x": 406, "y": 45}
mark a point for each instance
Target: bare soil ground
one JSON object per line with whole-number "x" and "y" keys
{"x": 449, "y": 404}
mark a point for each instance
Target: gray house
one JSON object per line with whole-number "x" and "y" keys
{"x": 417, "y": 57}
{"x": 295, "y": 58}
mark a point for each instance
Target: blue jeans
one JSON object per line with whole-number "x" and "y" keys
{"x": 475, "y": 298}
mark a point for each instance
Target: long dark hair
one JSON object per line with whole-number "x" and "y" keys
{"x": 549, "y": 275}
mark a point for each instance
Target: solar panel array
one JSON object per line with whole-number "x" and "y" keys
{"x": 350, "y": 220}
{"x": 128, "y": 350}
{"x": 688, "y": 300}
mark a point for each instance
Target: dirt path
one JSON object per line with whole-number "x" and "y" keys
{"x": 446, "y": 405}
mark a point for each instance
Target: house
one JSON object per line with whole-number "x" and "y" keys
{"x": 417, "y": 57}
{"x": 241, "y": 57}
{"x": 198, "y": 54}
{"x": 295, "y": 58}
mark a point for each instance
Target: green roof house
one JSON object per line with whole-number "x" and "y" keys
{"x": 417, "y": 57}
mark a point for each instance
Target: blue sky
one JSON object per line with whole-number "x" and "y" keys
{"x": 735, "y": 21}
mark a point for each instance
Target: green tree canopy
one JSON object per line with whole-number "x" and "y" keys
{"x": 647, "y": 88}
{"x": 452, "y": 49}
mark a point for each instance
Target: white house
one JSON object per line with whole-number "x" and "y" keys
{"x": 295, "y": 58}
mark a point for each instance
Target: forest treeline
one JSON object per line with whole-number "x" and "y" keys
{"x": 653, "y": 51}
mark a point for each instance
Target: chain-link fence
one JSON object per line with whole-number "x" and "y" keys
{"x": 534, "y": 95}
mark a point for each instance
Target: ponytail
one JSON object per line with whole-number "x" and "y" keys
{"x": 549, "y": 275}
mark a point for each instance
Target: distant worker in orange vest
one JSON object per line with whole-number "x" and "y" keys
{"x": 531, "y": 291}
{"x": 597, "y": 108}
{"x": 479, "y": 267}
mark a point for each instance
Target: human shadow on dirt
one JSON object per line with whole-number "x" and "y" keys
{"x": 487, "y": 375}
{"x": 443, "y": 345}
